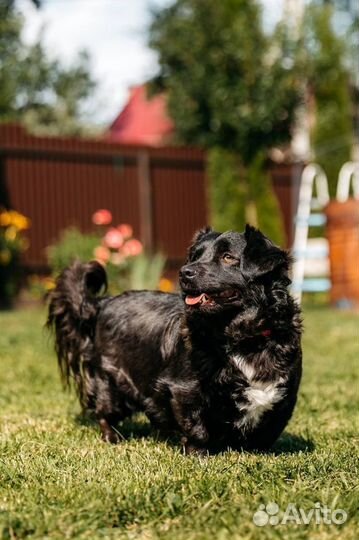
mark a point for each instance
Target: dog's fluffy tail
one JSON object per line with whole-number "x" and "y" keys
{"x": 73, "y": 307}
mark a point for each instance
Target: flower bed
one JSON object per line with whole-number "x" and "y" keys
{"x": 12, "y": 245}
{"x": 115, "y": 247}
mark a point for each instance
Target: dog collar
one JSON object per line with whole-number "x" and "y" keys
{"x": 266, "y": 333}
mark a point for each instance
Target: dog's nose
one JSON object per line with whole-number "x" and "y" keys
{"x": 187, "y": 272}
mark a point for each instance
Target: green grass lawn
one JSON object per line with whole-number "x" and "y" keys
{"x": 59, "y": 480}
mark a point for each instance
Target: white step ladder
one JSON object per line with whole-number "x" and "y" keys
{"x": 349, "y": 174}
{"x": 311, "y": 255}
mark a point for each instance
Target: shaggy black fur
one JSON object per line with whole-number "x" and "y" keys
{"x": 220, "y": 363}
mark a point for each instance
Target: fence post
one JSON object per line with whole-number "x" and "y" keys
{"x": 145, "y": 199}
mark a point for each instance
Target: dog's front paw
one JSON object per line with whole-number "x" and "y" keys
{"x": 107, "y": 432}
{"x": 110, "y": 437}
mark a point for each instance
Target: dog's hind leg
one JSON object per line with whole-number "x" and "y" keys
{"x": 108, "y": 408}
{"x": 115, "y": 401}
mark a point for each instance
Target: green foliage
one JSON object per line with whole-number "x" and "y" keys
{"x": 239, "y": 196}
{"x": 333, "y": 136}
{"x": 36, "y": 89}
{"x": 10, "y": 51}
{"x": 228, "y": 91}
{"x": 10, "y": 3}
{"x": 58, "y": 480}
{"x": 262, "y": 199}
{"x": 72, "y": 245}
{"x": 133, "y": 272}
{"x": 225, "y": 81}
{"x": 228, "y": 193}
{"x": 146, "y": 271}
{"x": 328, "y": 80}
{"x": 10, "y": 274}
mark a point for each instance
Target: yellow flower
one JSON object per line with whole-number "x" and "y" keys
{"x": 15, "y": 219}
{"x": 5, "y": 257}
{"x": 49, "y": 283}
{"x": 5, "y": 219}
{"x": 19, "y": 221}
{"x": 166, "y": 285}
{"x": 10, "y": 233}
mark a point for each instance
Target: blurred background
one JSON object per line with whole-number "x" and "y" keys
{"x": 125, "y": 126}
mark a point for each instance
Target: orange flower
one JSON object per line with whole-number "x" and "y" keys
{"x": 132, "y": 248}
{"x": 102, "y": 254}
{"x": 166, "y": 285}
{"x": 126, "y": 230}
{"x": 102, "y": 217}
{"x": 5, "y": 219}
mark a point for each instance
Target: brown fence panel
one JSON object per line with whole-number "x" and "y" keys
{"x": 58, "y": 194}
{"x": 59, "y": 182}
{"x": 179, "y": 204}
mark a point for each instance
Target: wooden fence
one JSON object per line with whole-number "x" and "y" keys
{"x": 161, "y": 192}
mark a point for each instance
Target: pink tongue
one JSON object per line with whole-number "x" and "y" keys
{"x": 192, "y": 300}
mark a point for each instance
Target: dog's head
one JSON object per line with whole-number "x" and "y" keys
{"x": 222, "y": 270}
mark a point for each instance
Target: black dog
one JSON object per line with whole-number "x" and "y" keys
{"x": 220, "y": 363}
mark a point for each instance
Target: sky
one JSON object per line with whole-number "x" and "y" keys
{"x": 115, "y": 34}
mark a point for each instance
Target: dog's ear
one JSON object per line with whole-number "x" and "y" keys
{"x": 207, "y": 233}
{"x": 261, "y": 256}
{"x": 201, "y": 234}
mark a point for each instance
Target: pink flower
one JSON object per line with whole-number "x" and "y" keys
{"x": 132, "y": 248}
{"x": 102, "y": 254}
{"x": 126, "y": 230}
{"x": 113, "y": 238}
{"x": 102, "y": 217}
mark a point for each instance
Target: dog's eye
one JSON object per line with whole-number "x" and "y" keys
{"x": 227, "y": 258}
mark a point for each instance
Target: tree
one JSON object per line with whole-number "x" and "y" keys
{"x": 35, "y": 89}
{"x": 227, "y": 90}
{"x": 328, "y": 80}
{"x": 9, "y": 4}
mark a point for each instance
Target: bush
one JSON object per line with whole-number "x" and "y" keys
{"x": 227, "y": 191}
{"x": 329, "y": 80}
{"x": 240, "y": 195}
{"x": 145, "y": 272}
{"x": 12, "y": 244}
{"x": 267, "y": 212}
{"x": 73, "y": 244}
{"x": 115, "y": 248}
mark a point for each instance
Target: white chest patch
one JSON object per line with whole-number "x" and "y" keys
{"x": 260, "y": 396}
{"x": 246, "y": 368}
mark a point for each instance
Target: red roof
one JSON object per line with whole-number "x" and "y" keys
{"x": 143, "y": 120}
